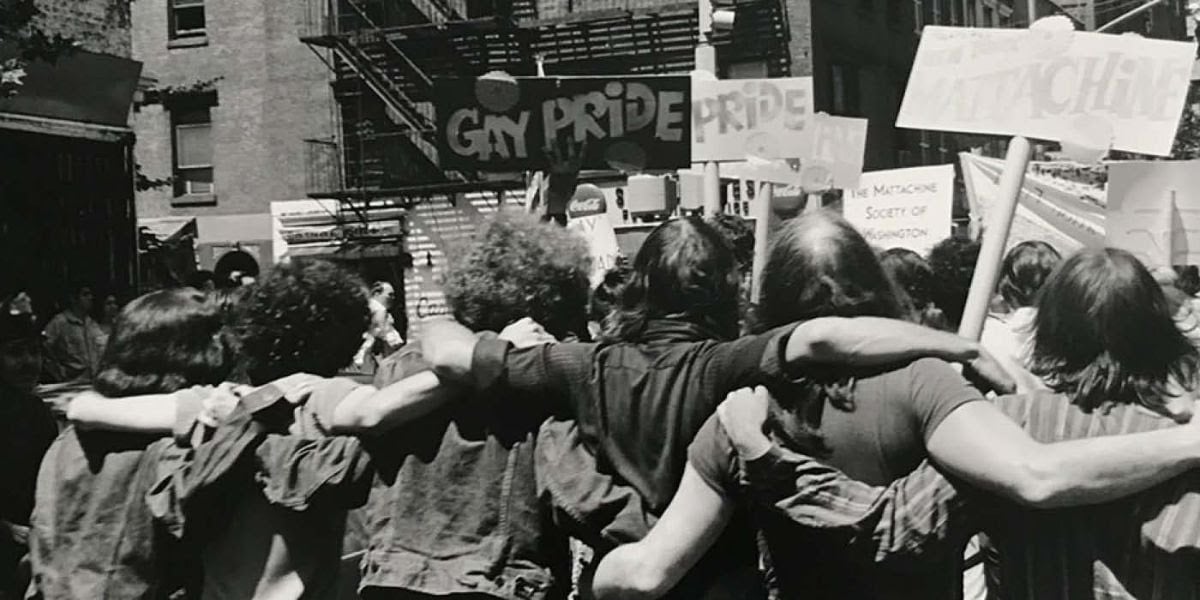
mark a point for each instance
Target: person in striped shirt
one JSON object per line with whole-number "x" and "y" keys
{"x": 1105, "y": 341}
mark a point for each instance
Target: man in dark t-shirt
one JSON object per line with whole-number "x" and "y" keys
{"x": 879, "y": 439}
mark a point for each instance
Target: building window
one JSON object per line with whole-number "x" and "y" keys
{"x": 970, "y": 16}
{"x": 747, "y": 69}
{"x": 192, "y": 129}
{"x": 845, "y": 90}
{"x": 989, "y": 16}
{"x": 187, "y": 18}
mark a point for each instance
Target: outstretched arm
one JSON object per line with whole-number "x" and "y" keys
{"x": 978, "y": 443}
{"x": 650, "y": 568}
{"x": 369, "y": 410}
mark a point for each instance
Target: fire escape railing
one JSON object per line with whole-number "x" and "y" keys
{"x": 352, "y": 49}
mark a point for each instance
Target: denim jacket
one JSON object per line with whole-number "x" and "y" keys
{"x": 479, "y": 496}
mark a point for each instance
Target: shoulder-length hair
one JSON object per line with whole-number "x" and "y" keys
{"x": 685, "y": 270}
{"x": 820, "y": 266}
{"x": 1104, "y": 334}
{"x": 1024, "y": 272}
{"x": 165, "y": 341}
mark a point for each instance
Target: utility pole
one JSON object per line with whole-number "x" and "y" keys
{"x": 706, "y": 61}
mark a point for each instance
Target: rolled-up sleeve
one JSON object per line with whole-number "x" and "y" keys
{"x": 913, "y": 518}
{"x": 547, "y": 370}
{"x": 298, "y": 473}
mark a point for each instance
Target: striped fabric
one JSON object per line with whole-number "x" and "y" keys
{"x": 1144, "y": 547}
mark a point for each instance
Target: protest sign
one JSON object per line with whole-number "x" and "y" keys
{"x": 740, "y": 118}
{"x": 832, "y": 151}
{"x": 903, "y": 208}
{"x": 629, "y": 122}
{"x": 587, "y": 213}
{"x": 1046, "y": 84}
{"x": 1154, "y": 211}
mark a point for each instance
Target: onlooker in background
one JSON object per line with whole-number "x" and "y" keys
{"x": 1008, "y": 334}
{"x": 74, "y": 341}
{"x": 1189, "y": 279}
{"x": 382, "y": 336}
{"x": 953, "y": 263}
{"x": 914, "y": 279}
{"x": 108, "y": 315}
{"x": 739, "y": 233}
{"x": 26, "y": 429}
{"x": 1181, "y": 305}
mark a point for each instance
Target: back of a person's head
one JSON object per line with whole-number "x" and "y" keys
{"x": 606, "y": 294}
{"x": 953, "y": 263}
{"x": 820, "y": 266}
{"x": 1104, "y": 333}
{"x": 913, "y": 277}
{"x": 303, "y": 317}
{"x": 739, "y": 234}
{"x": 520, "y": 267}
{"x": 1189, "y": 279}
{"x": 686, "y": 271}
{"x": 164, "y": 341}
{"x": 1024, "y": 271}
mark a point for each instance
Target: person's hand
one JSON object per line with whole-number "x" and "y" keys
{"x": 743, "y": 414}
{"x": 448, "y": 347}
{"x": 988, "y": 375}
{"x": 566, "y": 157}
{"x": 525, "y": 333}
{"x": 566, "y": 160}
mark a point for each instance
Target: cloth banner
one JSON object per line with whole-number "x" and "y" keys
{"x": 505, "y": 124}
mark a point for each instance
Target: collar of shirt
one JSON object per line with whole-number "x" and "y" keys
{"x": 673, "y": 330}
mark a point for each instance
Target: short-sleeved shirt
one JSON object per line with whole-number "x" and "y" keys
{"x": 882, "y": 439}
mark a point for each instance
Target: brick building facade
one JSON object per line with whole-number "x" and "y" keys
{"x": 235, "y": 97}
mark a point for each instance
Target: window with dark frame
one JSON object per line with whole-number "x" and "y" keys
{"x": 193, "y": 151}
{"x": 187, "y": 18}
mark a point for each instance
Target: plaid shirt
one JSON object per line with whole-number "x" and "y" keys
{"x": 1134, "y": 548}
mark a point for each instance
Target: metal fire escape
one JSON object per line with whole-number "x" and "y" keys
{"x": 385, "y": 54}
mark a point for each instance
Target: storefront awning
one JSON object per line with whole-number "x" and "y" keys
{"x": 168, "y": 229}
{"x": 80, "y": 87}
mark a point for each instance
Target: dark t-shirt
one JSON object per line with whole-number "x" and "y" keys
{"x": 882, "y": 439}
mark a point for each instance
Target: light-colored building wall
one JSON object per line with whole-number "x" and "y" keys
{"x": 272, "y": 93}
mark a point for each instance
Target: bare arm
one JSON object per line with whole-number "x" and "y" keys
{"x": 978, "y": 443}
{"x": 873, "y": 341}
{"x": 155, "y": 413}
{"x": 650, "y": 568}
{"x": 368, "y": 410}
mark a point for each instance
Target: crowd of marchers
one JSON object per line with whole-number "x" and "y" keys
{"x": 656, "y": 436}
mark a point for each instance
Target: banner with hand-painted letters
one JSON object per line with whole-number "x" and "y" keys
{"x": 505, "y": 124}
{"x": 736, "y": 119}
{"x": 1049, "y": 85}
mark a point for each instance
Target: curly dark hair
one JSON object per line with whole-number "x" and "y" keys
{"x": 303, "y": 317}
{"x": 953, "y": 263}
{"x": 685, "y": 270}
{"x": 1024, "y": 272}
{"x": 914, "y": 283}
{"x": 1104, "y": 333}
{"x": 608, "y": 291}
{"x": 165, "y": 341}
{"x": 739, "y": 232}
{"x": 518, "y": 266}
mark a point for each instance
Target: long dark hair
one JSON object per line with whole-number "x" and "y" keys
{"x": 913, "y": 278}
{"x": 1024, "y": 272}
{"x": 1105, "y": 335}
{"x": 165, "y": 341}
{"x": 820, "y": 266}
{"x": 685, "y": 270}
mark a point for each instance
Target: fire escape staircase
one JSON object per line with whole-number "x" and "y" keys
{"x": 355, "y": 50}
